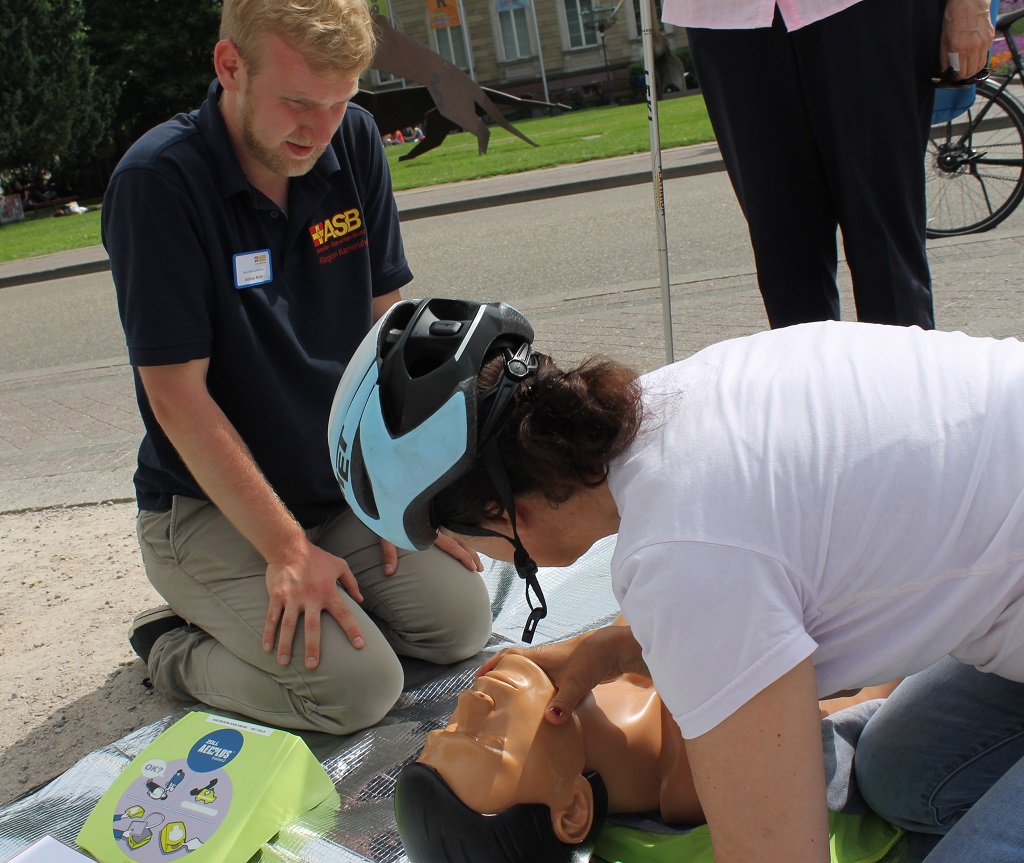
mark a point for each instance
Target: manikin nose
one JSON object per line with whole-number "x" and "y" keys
{"x": 473, "y": 707}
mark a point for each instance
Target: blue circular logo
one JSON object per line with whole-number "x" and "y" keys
{"x": 212, "y": 751}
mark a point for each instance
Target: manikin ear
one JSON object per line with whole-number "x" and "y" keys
{"x": 572, "y": 822}
{"x": 228, "y": 64}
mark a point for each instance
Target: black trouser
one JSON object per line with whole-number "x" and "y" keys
{"x": 824, "y": 127}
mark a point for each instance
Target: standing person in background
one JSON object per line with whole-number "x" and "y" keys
{"x": 821, "y": 109}
{"x": 253, "y": 243}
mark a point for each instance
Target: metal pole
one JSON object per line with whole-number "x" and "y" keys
{"x": 540, "y": 53}
{"x": 646, "y": 22}
{"x": 465, "y": 39}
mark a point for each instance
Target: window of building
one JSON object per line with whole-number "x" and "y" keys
{"x": 579, "y": 19}
{"x": 451, "y": 45}
{"x": 515, "y": 35}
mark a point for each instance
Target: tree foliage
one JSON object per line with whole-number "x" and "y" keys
{"x": 51, "y": 111}
{"x": 88, "y": 77}
{"x": 153, "y": 57}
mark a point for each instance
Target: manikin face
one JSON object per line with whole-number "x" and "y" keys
{"x": 287, "y": 113}
{"x": 498, "y": 750}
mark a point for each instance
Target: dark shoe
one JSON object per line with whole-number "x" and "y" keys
{"x": 149, "y": 625}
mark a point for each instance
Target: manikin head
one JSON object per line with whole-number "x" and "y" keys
{"x": 500, "y": 783}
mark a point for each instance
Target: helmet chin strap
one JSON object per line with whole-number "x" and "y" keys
{"x": 501, "y": 400}
{"x": 525, "y": 567}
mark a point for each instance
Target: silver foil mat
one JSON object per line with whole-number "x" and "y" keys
{"x": 357, "y": 825}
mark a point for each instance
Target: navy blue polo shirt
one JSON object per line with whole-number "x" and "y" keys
{"x": 205, "y": 265}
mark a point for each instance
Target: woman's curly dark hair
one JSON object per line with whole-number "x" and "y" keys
{"x": 564, "y": 431}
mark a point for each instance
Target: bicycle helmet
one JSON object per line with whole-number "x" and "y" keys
{"x": 408, "y": 420}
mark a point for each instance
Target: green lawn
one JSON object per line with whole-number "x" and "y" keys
{"x": 596, "y": 133}
{"x": 46, "y": 234}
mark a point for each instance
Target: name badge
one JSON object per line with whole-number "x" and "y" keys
{"x": 252, "y": 268}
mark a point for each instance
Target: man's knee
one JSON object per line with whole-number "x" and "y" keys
{"x": 353, "y": 696}
{"x": 358, "y": 711}
{"x": 456, "y": 625}
{"x": 466, "y": 636}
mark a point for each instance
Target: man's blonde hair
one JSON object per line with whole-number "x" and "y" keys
{"x": 336, "y": 37}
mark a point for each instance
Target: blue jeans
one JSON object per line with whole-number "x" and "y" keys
{"x": 943, "y": 756}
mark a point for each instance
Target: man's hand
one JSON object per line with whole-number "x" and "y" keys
{"x": 967, "y": 34}
{"x": 448, "y": 544}
{"x": 305, "y": 586}
{"x": 578, "y": 664}
{"x": 460, "y": 551}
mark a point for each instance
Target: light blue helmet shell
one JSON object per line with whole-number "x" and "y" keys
{"x": 389, "y": 480}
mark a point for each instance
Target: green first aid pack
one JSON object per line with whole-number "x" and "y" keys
{"x": 209, "y": 788}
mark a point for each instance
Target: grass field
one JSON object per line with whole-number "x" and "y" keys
{"x": 46, "y": 234}
{"x": 596, "y": 133}
{"x": 580, "y": 136}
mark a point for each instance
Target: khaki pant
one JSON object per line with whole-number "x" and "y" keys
{"x": 432, "y": 608}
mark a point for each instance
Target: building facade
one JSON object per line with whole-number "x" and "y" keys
{"x": 570, "y": 51}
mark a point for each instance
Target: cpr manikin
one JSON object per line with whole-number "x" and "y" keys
{"x": 551, "y": 784}
{"x": 502, "y": 784}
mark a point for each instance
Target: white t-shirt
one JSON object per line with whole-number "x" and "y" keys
{"x": 850, "y": 492}
{"x": 719, "y": 15}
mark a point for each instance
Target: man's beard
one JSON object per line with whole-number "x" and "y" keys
{"x": 270, "y": 158}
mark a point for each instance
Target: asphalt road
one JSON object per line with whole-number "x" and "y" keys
{"x": 583, "y": 268}
{"x": 595, "y": 243}
{"x": 551, "y": 258}
{"x": 588, "y": 245}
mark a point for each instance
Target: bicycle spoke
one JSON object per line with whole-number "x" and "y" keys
{"x": 974, "y": 165}
{"x": 984, "y": 191}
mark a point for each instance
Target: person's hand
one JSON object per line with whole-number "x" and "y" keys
{"x": 967, "y": 34}
{"x": 578, "y": 664}
{"x": 448, "y": 544}
{"x": 460, "y": 551}
{"x": 389, "y": 557}
{"x": 305, "y": 586}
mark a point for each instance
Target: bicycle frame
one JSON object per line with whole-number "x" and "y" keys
{"x": 974, "y": 162}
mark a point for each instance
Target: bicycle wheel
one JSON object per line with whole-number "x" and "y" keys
{"x": 974, "y": 166}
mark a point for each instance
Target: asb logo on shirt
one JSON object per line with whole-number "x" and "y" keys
{"x": 339, "y": 225}
{"x": 339, "y": 235}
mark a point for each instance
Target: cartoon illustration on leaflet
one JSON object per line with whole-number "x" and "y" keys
{"x": 205, "y": 795}
{"x": 161, "y": 792}
{"x": 174, "y": 837}
{"x": 138, "y": 832}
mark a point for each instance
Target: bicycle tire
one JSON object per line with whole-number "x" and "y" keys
{"x": 974, "y": 166}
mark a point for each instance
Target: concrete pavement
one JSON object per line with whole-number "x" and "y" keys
{"x": 68, "y": 436}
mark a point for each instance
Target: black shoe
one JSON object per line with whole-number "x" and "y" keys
{"x": 149, "y": 625}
